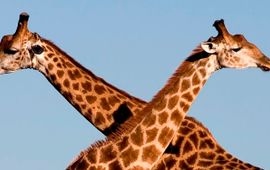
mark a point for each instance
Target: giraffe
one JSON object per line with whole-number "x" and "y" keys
{"x": 141, "y": 145}
{"x": 123, "y": 103}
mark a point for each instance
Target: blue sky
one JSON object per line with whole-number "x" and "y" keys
{"x": 135, "y": 45}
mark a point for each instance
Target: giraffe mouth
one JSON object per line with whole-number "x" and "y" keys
{"x": 264, "y": 63}
{"x": 263, "y": 67}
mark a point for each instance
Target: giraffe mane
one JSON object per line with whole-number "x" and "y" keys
{"x": 200, "y": 124}
{"x": 50, "y": 43}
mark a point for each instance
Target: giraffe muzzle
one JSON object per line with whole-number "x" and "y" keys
{"x": 264, "y": 63}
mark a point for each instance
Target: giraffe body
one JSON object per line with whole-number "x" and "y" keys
{"x": 74, "y": 82}
{"x": 142, "y": 145}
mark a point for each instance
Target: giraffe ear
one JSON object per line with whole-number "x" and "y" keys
{"x": 209, "y": 47}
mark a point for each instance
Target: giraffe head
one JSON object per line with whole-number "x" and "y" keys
{"x": 17, "y": 51}
{"x": 234, "y": 51}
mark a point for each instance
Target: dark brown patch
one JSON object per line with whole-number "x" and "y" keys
{"x": 123, "y": 143}
{"x": 202, "y": 134}
{"x": 150, "y": 154}
{"x": 99, "y": 119}
{"x": 58, "y": 87}
{"x": 149, "y": 120}
{"x": 174, "y": 149}
{"x": 113, "y": 100}
{"x": 87, "y": 86}
{"x": 170, "y": 162}
{"x": 229, "y": 156}
{"x": 191, "y": 125}
{"x": 184, "y": 166}
{"x": 220, "y": 158}
{"x": 137, "y": 137}
{"x": 151, "y": 134}
{"x": 115, "y": 165}
{"x": 173, "y": 102}
{"x": 192, "y": 159}
{"x": 204, "y": 163}
{"x": 68, "y": 64}
{"x": 187, "y": 96}
{"x": 194, "y": 139}
{"x": 77, "y": 73}
{"x": 53, "y": 77}
{"x": 104, "y": 104}
{"x": 130, "y": 155}
{"x": 176, "y": 117}
{"x": 50, "y": 66}
{"x": 91, "y": 99}
{"x": 67, "y": 95}
{"x": 99, "y": 167}
{"x": 233, "y": 164}
{"x": 120, "y": 115}
{"x": 219, "y": 150}
{"x": 59, "y": 65}
{"x": 184, "y": 123}
{"x": 66, "y": 83}
{"x": 107, "y": 154}
{"x": 210, "y": 143}
{"x": 161, "y": 105}
{"x": 184, "y": 106}
{"x": 185, "y": 85}
{"x": 207, "y": 155}
{"x": 50, "y": 49}
{"x": 196, "y": 90}
{"x": 75, "y": 86}
{"x": 203, "y": 82}
{"x": 174, "y": 89}
{"x": 202, "y": 72}
{"x": 55, "y": 59}
{"x": 163, "y": 117}
{"x": 216, "y": 167}
{"x": 80, "y": 164}
{"x": 83, "y": 106}
{"x": 202, "y": 145}
{"x": 195, "y": 79}
{"x": 92, "y": 156}
{"x": 50, "y": 55}
{"x": 60, "y": 73}
{"x": 187, "y": 147}
{"x": 185, "y": 130}
{"x": 70, "y": 74}
{"x": 79, "y": 98}
{"x": 165, "y": 135}
{"x": 99, "y": 89}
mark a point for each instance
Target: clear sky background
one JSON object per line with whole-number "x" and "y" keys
{"x": 135, "y": 45}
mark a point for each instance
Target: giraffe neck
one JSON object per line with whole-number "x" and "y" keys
{"x": 102, "y": 104}
{"x": 144, "y": 143}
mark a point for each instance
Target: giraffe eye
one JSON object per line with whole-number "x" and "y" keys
{"x": 237, "y": 49}
{"x": 37, "y": 49}
{"x": 10, "y": 51}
